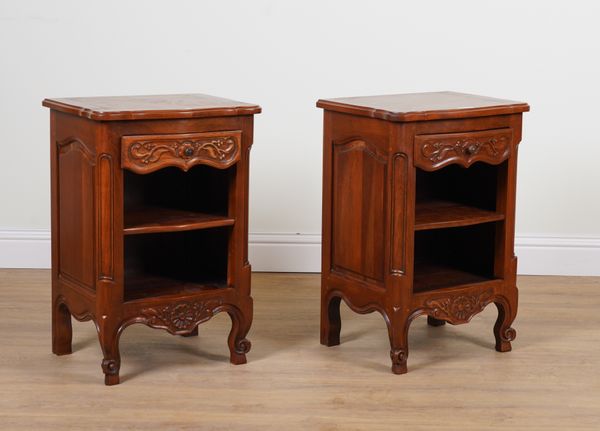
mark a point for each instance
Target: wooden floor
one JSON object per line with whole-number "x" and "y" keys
{"x": 550, "y": 381}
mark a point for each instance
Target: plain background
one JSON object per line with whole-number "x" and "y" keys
{"x": 285, "y": 55}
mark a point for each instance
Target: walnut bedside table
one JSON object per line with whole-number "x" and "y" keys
{"x": 149, "y": 217}
{"x": 419, "y": 211}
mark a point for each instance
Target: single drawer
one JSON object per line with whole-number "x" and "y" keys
{"x": 436, "y": 151}
{"x": 147, "y": 153}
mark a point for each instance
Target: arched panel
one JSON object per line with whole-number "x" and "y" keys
{"x": 76, "y": 164}
{"x": 358, "y": 203}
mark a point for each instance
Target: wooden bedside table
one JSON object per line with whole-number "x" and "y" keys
{"x": 419, "y": 211}
{"x": 149, "y": 217}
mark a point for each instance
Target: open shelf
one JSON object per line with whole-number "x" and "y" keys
{"x": 171, "y": 263}
{"x": 430, "y": 276}
{"x": 141, "y": 286}
{"x": 155, "y": 219}
{"x": 452, "y": 257}
{"x": 454, "y": 196}
{"x": 170, "y": 200}
{"x": 438, "y": 214}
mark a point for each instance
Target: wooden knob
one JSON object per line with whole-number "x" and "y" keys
{"x": 471, "y": 149}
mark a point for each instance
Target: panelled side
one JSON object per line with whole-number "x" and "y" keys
{"x": 359, "y": 172}
{"x": 75, "y": 155}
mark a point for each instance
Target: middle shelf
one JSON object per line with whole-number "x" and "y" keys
{"x": 170, "y": 200}
{"x": 453, "y": 197}
{"x": 142, "y": 220}
{"x": 439, "y": 214}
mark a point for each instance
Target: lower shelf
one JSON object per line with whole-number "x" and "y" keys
{"x": 430, "y": 276}
{"x": 149, "y": 286}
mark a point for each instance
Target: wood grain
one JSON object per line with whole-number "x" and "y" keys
{"x": 423, "y": 106}
{"x": 436, "y": 151}
{"x": 179, "y": 184}
{"x": 419, "y": 207}
{"x": 550, "y": 380}
{"x": 148, "y": 153}
{"x": 151, "y": 107}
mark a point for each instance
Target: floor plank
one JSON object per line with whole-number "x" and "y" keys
{"x": 550, "y": 381}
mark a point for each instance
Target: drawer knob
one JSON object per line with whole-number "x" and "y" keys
{"x": 471, "y": 149}
{"x": 188, "y": 152}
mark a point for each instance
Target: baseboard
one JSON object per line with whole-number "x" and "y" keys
{"x": 553, "y": 255}
{"x": 24, "y": 248}
{"x": 284, "y": 252}
{"x": 280, "y": 252}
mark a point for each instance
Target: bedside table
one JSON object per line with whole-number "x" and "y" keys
{"x": 419, "y": 211}
{"x": 149, "y": 217}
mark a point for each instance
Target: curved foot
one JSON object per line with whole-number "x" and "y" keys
{"x": 62, "y": 331}
{"x": 238, "y": 354}
{"x": 398, "y": 332}
{"x": 399, "y": 357}
{"x": 109, "y": 341}
{"x": 331, "y": 323}
{"x": 503, "y": 332}
{"x": 238, "y": 344}
{"x": 432, "y": 321}
{"x": 110, "y": 367}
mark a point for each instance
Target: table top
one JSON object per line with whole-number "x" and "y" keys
{"x": 423, "y": 106}
{"x": 151, "y": 107}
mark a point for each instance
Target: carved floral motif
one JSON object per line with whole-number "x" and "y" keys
{"x": 181, "y": 317}
{"x": 144, "y": 154}
{"x": 460, "y": 308}
{"x": 440, "y": 150}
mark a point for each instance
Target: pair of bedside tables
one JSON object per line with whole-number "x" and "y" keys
{"x": 150, "y": 214}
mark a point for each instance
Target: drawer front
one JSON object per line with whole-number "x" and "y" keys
{"x": 147, "y": 153}
{"x": 436, "y": 151}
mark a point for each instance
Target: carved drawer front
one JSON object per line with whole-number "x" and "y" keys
{"x": 436, "y": 151}
{"x": 148, "y": 153}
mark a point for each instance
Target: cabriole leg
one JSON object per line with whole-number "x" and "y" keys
{"x": 398, "y": 332}
{"x": 111, "y": 363}
{"x": 238, "y": 344}
{"x": 62, "y": 331}
{"x": 502, "y": 330}
{"x": 331, "y": 323}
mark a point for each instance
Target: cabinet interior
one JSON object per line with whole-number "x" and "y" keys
{"x": 176, "y": 231}
{"x": 456, "y": 225}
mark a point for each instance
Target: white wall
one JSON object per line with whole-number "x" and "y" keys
{"x": 286, "y": 55}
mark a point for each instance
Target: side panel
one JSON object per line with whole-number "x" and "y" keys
{"x": 359, "y": 172}
{"x": 74, "y": 228}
